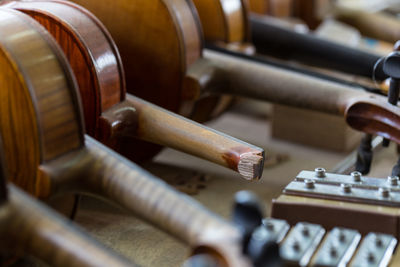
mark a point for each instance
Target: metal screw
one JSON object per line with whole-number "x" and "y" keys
{"x": 346, "y": 188}
{"x": 378, "y": 241}
{"x": 356, "y": 176}
{"x": 305, "y": 231}
{"x": 371, "y": 257}
{"x": 310, "y": 184}
{"x": 393, "y": 180}
{"x": 333, "y": 252}
{"x": 296, "y": 245}
{"x": 320, "y": 172}
{"x": 384, "y": 192}
{"x": 342, "y": 237}
{"x": 269, "y": 225}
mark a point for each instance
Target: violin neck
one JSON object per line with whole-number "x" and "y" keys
{"x": 272, "y": 39}
{"x": 157, "y": 125}
{"x": 262, "y": 82}
{"x": 148, "y": 197}
{"x": 31, "y": 228}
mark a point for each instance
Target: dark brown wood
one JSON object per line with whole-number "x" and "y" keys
{"x": 37, "y": 76}
{"x": 117, "y": 121}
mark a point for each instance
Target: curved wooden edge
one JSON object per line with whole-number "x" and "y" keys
{"x": 374, "y": 115}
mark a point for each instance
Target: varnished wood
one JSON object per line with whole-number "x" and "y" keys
{"x": 112, "y": 121}
{"x": 225, "y": 22}
{"x": 259, "y": 6}
{"x": 155, "y": 72}
{"x": 251, "y": 79}
{"x": 89, "y": 167}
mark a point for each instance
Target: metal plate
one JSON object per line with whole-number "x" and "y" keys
{"x": 376, "y": 250}
{"x": 338, "y": 248}
{"x": 337, "y": 179}
{"x": 336, "y": 192}
{"x": 276, "y": 229}
{"x": 301, "y": 243}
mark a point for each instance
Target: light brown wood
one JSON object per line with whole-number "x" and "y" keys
{"x": 363, "y": 111}
{"x": 87, "y": 166}
{"x": 376, "y": 25}
{"x": 119, "y": 122}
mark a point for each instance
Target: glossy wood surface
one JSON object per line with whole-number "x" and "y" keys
{"x": 158, "y": 51}
{"x": 91, "y": 167}
{"x": 225, "y": 22}
{"x": 259, "y": 6}
{"x": 78, "y": 32}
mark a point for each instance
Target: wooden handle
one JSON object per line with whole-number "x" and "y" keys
{"x": 263, "y": 82}
{"x": 141, "y": 119}
{"x": 111, "y": 176}
{"x": 363, "y": 111}
{"x": 375, "y": 25}
{"x": 26, "y": 226}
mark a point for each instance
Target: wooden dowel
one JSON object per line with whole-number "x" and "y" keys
{"x": 30, "y": 228}
{"x": 254, "y": 80}
{"x": 375, "y": 25}
{"x": 363, "y": 111}
{"x": 157, "y": 125}
{"x": 102, "y": 172}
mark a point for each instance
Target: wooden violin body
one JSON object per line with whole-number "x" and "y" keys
{"x": 117, "y": 119}
{"x": 67, "y": 161}
{"x": 225, "y": 22}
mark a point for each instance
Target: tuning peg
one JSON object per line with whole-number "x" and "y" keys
{"x": 263, "y": 251}
{"x": 247, "y": 214}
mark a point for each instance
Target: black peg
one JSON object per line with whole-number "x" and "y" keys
{"x": 364, "y": 155}
{"x": 391, "y": 67}
{"x": 248, "y": 215}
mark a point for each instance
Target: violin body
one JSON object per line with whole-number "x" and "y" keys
{"x": 35, "y": 132}
{"x": 225, "y": 22}
{"x": 158, "y": 51}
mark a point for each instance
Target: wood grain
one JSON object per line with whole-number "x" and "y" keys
{"x": 27, "y": 227}
{"x": 78, "y": 32}
{"x": 363, "y": 111}
{"x": 225, "y": 23}
{"x": 91, "y": 167}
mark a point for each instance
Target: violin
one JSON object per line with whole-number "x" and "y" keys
{"x": 29, "y": 227}
{"x": 48, "y": 154}
{"x": 117, "y": 118}
{"x": 221, "y": 74}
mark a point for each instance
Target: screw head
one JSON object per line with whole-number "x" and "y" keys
{"x": 310, "y": 184}
{"x": 384, "y": 192}
{"x": 305, "y": 231}
{"x": 378, "y": 241}
{"x": 320, "y": 172}
{"x": 393, "y": 180}
{"x": 333, "y": 252}
{"x": 370, "y": 257}
{"x": 296, "y": 245}
{"x": 346, "y": 188}
{"x": 269, "y": 225}
{"x": 356, "y": 176}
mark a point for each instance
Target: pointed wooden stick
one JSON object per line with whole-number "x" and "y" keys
{"x": 154, "y": 124}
